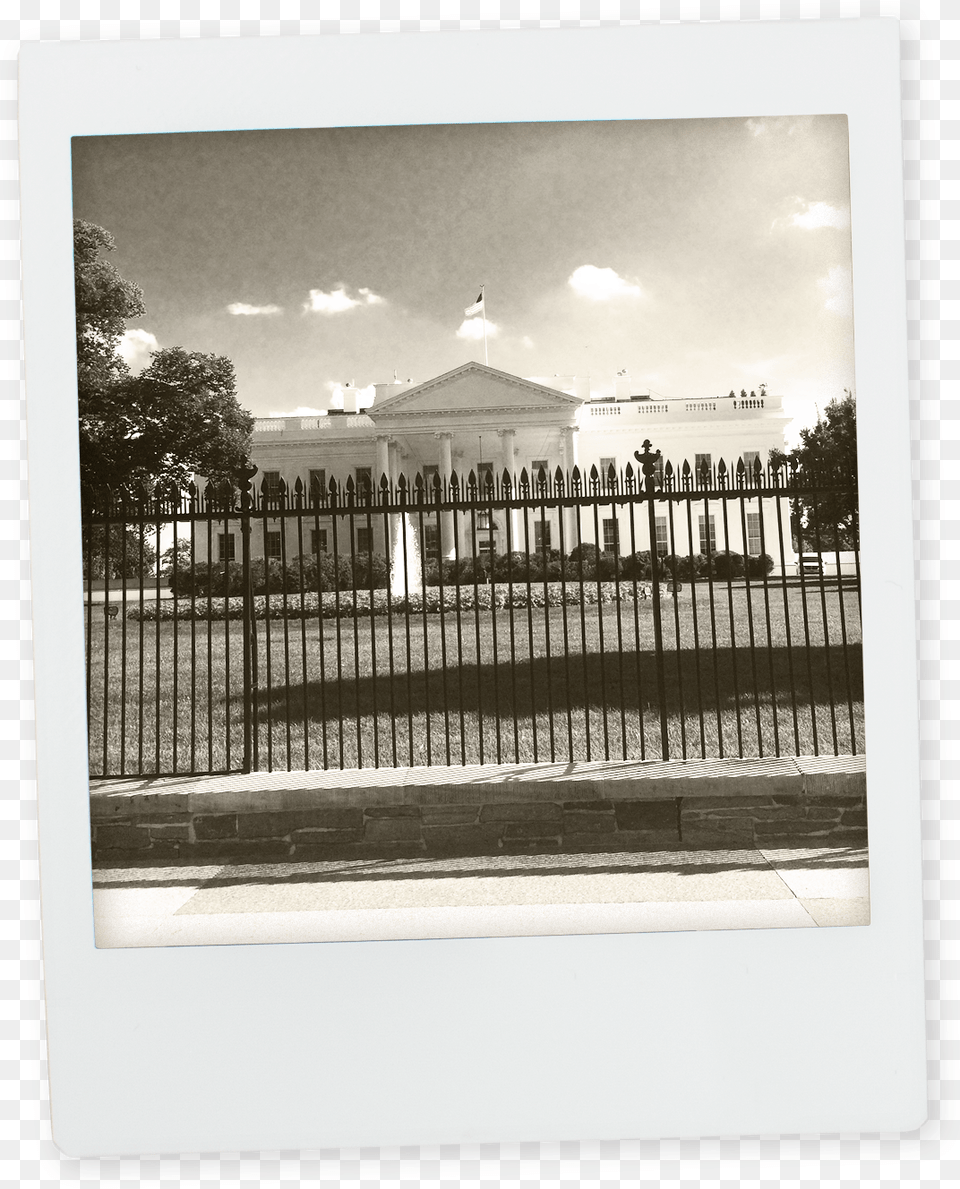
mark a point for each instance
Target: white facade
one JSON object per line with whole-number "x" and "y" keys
{"x": 477, "y": 419}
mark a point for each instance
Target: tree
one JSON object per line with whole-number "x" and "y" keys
{"x": 178, "y": 418}
{"x": 826, "y": 461}
{"x": 104, "y": 302}
{"x": 121, "y": 552}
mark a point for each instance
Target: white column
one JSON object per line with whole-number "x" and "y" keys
{"x": 383, "y": 460}
{"x": 447, "y": 550}
{"x": 568, "y": 444}
{"x": 508, "y": 439}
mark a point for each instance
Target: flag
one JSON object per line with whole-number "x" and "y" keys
{"x": 476, "y": 308}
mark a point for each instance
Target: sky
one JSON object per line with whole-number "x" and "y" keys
{"x": 699, "y": 256}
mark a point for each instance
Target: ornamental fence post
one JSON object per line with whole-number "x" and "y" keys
{"x": 648, "y": 462}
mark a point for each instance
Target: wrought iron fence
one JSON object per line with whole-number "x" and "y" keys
{"x": 649, "y": 613}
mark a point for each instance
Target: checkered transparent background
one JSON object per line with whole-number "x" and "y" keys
{"x": 930, "y": 34}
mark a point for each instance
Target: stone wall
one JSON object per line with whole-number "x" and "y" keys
{"x": 461, "y": 817}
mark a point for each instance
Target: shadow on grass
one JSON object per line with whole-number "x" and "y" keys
{"x": 707, "y": 682}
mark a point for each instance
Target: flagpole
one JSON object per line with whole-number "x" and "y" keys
{"x": 483, "y": 311}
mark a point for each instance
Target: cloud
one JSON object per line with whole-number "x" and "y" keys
{"x": 136, "y": 347}
{"x": 600, "y": 284}
{"x": 821, "y": 214}
{"x": 241, "y": 309}
{"x": 837, "y": 287}
{"x": 526, "y": 341}
{"x": 472, "y": 328}
{"x": 300, "y": 411}
{"x": 337, "y": 301}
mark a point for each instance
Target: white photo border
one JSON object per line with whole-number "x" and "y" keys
{"x": 380, "y": 1043}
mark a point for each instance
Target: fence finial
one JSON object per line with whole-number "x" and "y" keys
{"x": 648, "y": 461}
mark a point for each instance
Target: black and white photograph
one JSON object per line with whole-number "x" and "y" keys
{"x": 470, "y": 530}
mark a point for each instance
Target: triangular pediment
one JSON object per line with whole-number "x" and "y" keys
{"x": 475, "y": 388}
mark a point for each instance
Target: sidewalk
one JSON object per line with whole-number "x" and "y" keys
{"x": 494, "y": 896}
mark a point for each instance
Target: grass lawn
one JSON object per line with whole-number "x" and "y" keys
{"x": 744, "y": 673}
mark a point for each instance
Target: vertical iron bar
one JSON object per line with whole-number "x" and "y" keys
{"x": 681, "y": 707}
{"x": 249, "y": 690}
{"x": 695, "y": 613}
{"x": 724, "y": 500}
{"x": 106, "y": 643}
{"x": 778, "y": 503}
{"x": 428, "y": 731}
{"x": 564, "y": 621}
{"x": 210, "y": 512}
{"x": 175, "y": 708}
{"x": 823, "y": 610}
{"x": 641, "y": 725}
{"x": 775, "y": 708}
{"x": 530, "y": 638}
{"x": 711, "y": 542}
{"x": 648, "y": 462}
{"x": 748, "y": 594}
{"x": 123, "y": 636}
{"x": 542, "y": 485}
{"x": 806, "y": 634}
{"x": 601, "y": 647}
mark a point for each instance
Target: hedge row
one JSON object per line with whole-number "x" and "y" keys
{"x": 355, "y": 604}
{"x": 366, "y": 571}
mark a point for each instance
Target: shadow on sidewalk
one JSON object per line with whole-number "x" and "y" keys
{"x": 678, "y": 862}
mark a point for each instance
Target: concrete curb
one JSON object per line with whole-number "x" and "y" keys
{"x": 490, "y": 809}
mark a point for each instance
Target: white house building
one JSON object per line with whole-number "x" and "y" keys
{"x": 476, "y": 418}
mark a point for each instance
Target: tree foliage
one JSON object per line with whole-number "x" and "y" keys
{"x": 178, "y": 417}
{"x": 826, "y": 461}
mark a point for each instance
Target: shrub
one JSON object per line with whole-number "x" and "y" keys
{"x": 727, "y": 565}
{"x": 760, "y": 566}
{"x": 637, "y": 565}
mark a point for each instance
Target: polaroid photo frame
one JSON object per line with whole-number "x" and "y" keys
{"x": 605, "y": 1035}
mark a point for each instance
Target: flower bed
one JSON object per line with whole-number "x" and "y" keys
{"x": 360, "y": 603}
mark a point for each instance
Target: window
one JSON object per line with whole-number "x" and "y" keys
{"x": 753, "y": 534}
{"x": 364, "y": 539}
{"x": 703, "y": 462}
{"x": 611, "y": 535}
{"x": 538, "y": 465}
{"x": 541, "y": 535}
{"x": 485, "y": 522}
{"x": 605, "y": 465}
{"x": 227, "y": 546}
{"x": 271, "y": 485}
{"x": 430, "y": 474}
{"x": 363, "y": 476}
{"x": 708, "y": 546}
{"x": 484, "y": 475}
{"x": 431, "y": 542}
{"x": 750, "y": 460}
{"x": 318, "y": 482}
{"x": 274, "y": 544}
{"x": 663, "y": 537}
{"x": 318, "y": 540}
